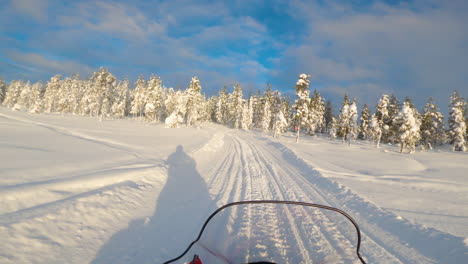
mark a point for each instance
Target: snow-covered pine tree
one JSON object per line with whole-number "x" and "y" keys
{"x": 251, "y": 112}
{"x": 365, "y": 120}
{"x": 301, "y": 105}
{"x": 287, "y": 112}
{"x": 211, "y": 109}
{"x": 138, "y": 102}
{"x": 13, "y": 93}
{"x": 3, "y": 87}
{"x": 383, "y": 117}
{"x": 353, "y": 123}
{"x": 375, "y": 130}
{"x": 107, "y": 81}
{"x": 245, "y": 115}
{"x": 122, "y": 102}
{"x": 333, "y": 127}
{"x": 194, "y": 101}
{"x": 152, "y": 99}
{"x": 85, "y": 101}
{"x": 51, "y": 93}
{"x": 432, "y": 125}
{"x": 391, "y": 134}
{"x": 328, "y": 114}
{"x": 25, "y": 95}
{"x": 257, "y": 108}
{"x": 222, "y": 107}
{"x": 316, "y": 113}
{"x": 344, "y": 120}
{"x": 266, "y": 117}
{"x": 457, "y": 124}
{"x": 235, "y": 106}
{"x": 77, "y": 93}
{"x": 279, "y": 121}
{"x": 409, "y": 127}
{"x": 36, "y": 100}
{"x": 175, "y": 105}
{"x": 63, "y": 104}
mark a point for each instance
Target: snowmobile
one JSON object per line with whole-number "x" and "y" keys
{"x": 270, "y": 232}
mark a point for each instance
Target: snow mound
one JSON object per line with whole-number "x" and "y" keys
{"x": 213, "y": 145}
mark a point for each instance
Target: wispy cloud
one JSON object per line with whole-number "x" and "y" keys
{"x": 32, "y": 8}
{"x": 416, "y": 48}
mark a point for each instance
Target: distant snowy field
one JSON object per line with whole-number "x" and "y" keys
{"x": 75, "y": 189}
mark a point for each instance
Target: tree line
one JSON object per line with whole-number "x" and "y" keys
{"x": 103, "y": 96}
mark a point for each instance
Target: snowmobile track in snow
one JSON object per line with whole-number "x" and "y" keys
{"x": 255, "y": 168}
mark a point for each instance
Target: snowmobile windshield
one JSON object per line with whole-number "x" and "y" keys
{"x": 276, "y": 232}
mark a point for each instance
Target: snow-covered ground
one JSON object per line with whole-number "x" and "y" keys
{"x": 78, "y": 190}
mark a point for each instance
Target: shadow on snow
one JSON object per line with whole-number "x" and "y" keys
{"x": 181, "y": 208}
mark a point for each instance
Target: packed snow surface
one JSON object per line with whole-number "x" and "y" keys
{"x": 79, "y": 190}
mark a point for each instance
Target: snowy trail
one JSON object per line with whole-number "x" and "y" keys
{"x": 255, "y": 168}
{"x": 87, "y": 191}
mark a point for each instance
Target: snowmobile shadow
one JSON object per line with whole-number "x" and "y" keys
{"x": 181, "y": 208}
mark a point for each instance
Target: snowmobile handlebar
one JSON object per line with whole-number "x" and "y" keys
{"x": 358, "y": 231}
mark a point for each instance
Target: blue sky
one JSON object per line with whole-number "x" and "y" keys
{"x": 362, "y": 48}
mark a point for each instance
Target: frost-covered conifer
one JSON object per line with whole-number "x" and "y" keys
{"x": 328, "y": 114}
{"x": 332, "y": 127}
{"x": 279, "y": 121}
{"x": 257, "y": 108}
{"x": 3, "y": 87}
{"x": 51, "y": 95}
{"x": 457, "y": 124}
{"x": 152, "y": 99}
{"x": 122, "y": 102}
{"x": 222, "y": 107}
{"x": 210, "y": 110}
{"x": 365, "y": 120}
{"x": 176, "y": 104}
{"x": 77, "y": 92}
{"x": 13, "y": 93}
{"x": 35, "y": 100}
{"x": 353, "y": 123}
{"x": 86, "y": 99}
{"x": 250, "y": 113}
{"x": 194, "y": 101}
{"x": 245, "y": 115}
{"x": 432, "y": 125}
{"x": 409, "y": 127}
{"x": 106, "y": 82}
{"x": 266, "y": 118}
{"x": 375, "y": 131}
{"x": 138, "y": 102}
{"x": 316, "y": 114}
{"x": 391, "y": 134}
{"x": 382, "y": 114}
{"x": 63, "y": 104}
{"x": 25, "y": 95}
{"x": 236, "y": 106}
{"x": 286, "y": 109}
{"x": 344, "y": 120}
{"x": 301, "y": 106}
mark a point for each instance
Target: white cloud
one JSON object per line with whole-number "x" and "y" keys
{"x": 417, "y": 49}
{"x": 35, "y": 62}
{"x": 113, "y": 18}
{"x": 37, "y": 9}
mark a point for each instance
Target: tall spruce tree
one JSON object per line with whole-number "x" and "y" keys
{"x": 3, "y": 87}
{"x": 432, "y": 125}
{"x": 301, "y": 106}
{"x": 365, "y": 121}
{"x": 195, "y": 102}
{"x": 409, "y": 127}
{"x": 457, "y": 123}
{"x": 343, "y": 119}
